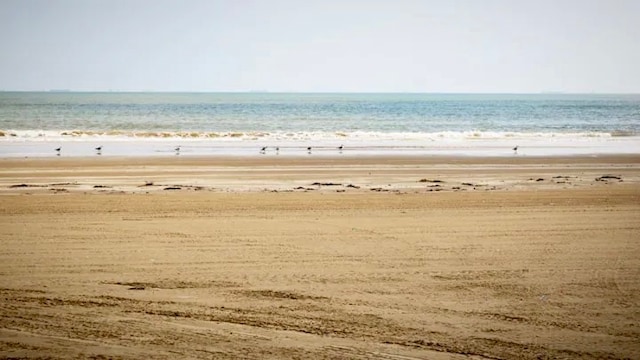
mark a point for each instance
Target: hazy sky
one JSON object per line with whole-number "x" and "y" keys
{"x": 296, "y": 45}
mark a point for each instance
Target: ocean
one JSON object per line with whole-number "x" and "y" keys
{"x": 33, "y": 124}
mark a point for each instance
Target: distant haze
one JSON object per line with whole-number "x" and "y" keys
{"x": 321, "y": 46}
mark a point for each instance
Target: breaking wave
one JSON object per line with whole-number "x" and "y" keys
{"x": 24, "y": 135}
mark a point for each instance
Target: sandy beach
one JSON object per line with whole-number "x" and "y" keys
{"x": 336, "y": 257}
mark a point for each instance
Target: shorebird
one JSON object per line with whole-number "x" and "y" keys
{"x": 99, "y": 150}
{"x": 277, "y": 149}
{"x": 309, "y": 149}
{"x": 177, "y": 149}
{"x": 340, "y": 147}
{"x": 263, "y": 150}
{"x": 58, "y": 149}
{"x": 515, "y": 149}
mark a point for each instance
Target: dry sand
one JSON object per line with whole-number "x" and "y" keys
{"x": 391, "y": 258}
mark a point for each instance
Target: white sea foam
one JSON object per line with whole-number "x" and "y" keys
{"x": 129, "y": 135}
{"x": 473, "y": 143}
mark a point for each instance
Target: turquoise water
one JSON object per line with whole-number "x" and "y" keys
{"x": 390, "y": 121}
{"x": 254, "y": 112}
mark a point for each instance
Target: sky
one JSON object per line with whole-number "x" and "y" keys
{"x": 447, "y": 46}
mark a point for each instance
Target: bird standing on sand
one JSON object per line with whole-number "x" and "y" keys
{"x": 58, "y": 149}
{"x": 309, "y": 149}
{"x": 263, "y": 150}
{"x": 340, "y": 147}
{"x": 277, "y": 150}
{"x": 177, "y": 149}
{"x": 515, "y": 149}
{"x": 99, "y": 149}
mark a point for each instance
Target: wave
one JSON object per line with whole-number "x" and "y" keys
{"x": 623, "y": 133}
{"x": 17, "y": 135}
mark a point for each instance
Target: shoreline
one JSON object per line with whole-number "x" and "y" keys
{"x": 326, "y": 147}
{"x": 367, "y": 159}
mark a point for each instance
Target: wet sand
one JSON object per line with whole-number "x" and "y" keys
{"x": 390, "y": 258}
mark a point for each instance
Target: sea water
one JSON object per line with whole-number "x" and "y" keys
{"x": 33, "y": 124}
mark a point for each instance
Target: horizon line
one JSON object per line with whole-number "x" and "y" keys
{"x": 62, "y": 91}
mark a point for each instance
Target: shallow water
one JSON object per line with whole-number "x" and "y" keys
{"x": 33, "y": 124}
